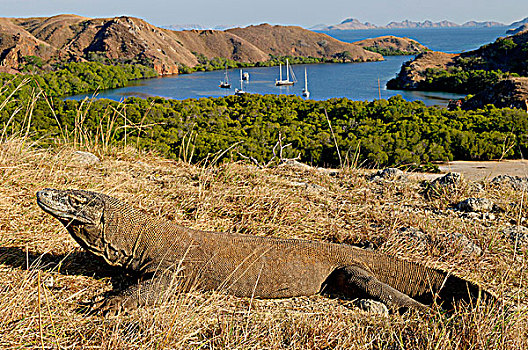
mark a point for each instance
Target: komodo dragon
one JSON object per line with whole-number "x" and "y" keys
{"x": 242, "y": 265}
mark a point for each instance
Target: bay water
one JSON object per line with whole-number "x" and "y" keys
{"x": 356, "y": 81}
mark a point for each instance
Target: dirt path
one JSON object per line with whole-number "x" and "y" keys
{"x": 486, "y": 170}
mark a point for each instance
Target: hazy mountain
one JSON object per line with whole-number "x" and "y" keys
{"x": 353, "y": 23}
{"x": 424, "y": 24}
{"x": 485, "y": 24}
{"x": 519, "y": 23}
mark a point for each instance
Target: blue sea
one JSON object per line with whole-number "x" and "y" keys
{"x": 356, "y": 81}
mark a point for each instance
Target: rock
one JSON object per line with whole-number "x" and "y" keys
{"x": 372, "y": 306}
{"x": 86, "y": 158}
{"x": 388, "y": 174}
{"x": 439, "y": 185}
{"x": 516, "y": 234}
{"x": 467, "y": 245}
{"x": 476, "y": 205}
{"x": 518, "y": 183}
{"x": 309, "y": 187}
{"x": 292, "y": 163}
{"x": 449, "y": 179}
{"x": 417, "y": 235}
{"x": 421, "y": 238}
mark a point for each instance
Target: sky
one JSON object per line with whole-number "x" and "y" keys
{"x": 306, "y": 13}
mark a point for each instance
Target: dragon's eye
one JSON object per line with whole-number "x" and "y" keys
{"x": 76, "y": 200}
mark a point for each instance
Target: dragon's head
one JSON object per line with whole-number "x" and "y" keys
{"x": 81, "y": 212}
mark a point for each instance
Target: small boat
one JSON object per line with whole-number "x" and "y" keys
{"x": 245, "y": 76}
{"x": 281, "y": 82}
{"x": 305, "y": 91}
{"x": 240, "y": 91}
{"x": 224, "y": 84}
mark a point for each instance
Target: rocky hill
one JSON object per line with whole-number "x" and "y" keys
{"x": 517, "y": 30}
{"x": 15, "y": 43}
{"x": 414, "y": 71}
{"x": 296, "y": 41}
{"x": 129, "y": 39}
{"x": 488, "y": 64}
{"x": 391, "y": 44}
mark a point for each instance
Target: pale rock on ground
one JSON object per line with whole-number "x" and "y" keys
{"x": 86, "y": 158}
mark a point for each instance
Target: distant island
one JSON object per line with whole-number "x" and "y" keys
{"x": 355, "y": 24}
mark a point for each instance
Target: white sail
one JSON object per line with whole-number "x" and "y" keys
{"x": 305, "y": 91}
{"x": 281, "y": 82}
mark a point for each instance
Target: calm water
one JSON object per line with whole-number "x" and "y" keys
{"x": 451, "y": 40}
{"x": 357, "y": 81}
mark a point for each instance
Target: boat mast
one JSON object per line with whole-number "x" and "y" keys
{"x": 287, "y": 71}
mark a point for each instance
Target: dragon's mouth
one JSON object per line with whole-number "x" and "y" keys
{"x": 57, "y": 204}
{"x": 52, "y": 204}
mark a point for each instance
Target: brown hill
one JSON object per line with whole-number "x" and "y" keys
{"x": 296, "y": 41}
{"x": 16, "y": 43}
{"x": 214, "y": 43}
{"x": 393, "y": 43}
{"x": 507, "y": 54}
{"x": 129, "y": 39}
{"x": 413, "y": 72}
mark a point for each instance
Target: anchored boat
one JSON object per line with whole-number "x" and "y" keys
{"x": 281, "y": 82}
{"x": 305, "y": 91}
{"x": 240, "y": 91}
{"x": 224, "y": 84}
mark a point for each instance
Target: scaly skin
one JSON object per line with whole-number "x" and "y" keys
{"x": 243, "y": 265}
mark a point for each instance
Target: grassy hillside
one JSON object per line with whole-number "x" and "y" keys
{"x": 44, "y": 274}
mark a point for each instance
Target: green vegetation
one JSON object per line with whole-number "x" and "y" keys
{"x": 387, "y": 51}
{"x": 382, "y": 133}
{"x": 458, "y": 80}
{"x": 73, "y": 78}
{"x": 217, "y": 63}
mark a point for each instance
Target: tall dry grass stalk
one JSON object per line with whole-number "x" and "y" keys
{"x": 44, "y": 275}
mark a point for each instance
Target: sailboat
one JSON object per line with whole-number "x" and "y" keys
{"x": 305, "y": 91}
{"x": 224, "y": 84}
{"x": 281, "y": 82}
{"x": 240, "y": 91}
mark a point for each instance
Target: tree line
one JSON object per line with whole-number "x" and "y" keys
{"x": 390, "y": 132}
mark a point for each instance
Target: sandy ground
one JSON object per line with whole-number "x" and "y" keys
{"x": 477, "y": 171}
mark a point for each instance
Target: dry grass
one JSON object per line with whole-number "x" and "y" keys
{"x": 44, "y": 274}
